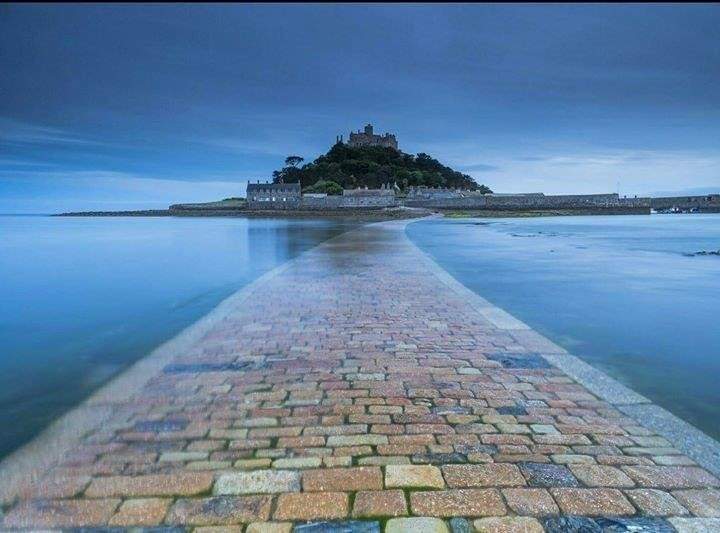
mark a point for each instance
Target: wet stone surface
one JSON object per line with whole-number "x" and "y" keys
{"x": 460, "y": 525}
{"x": 571, "y": 524}
{"x": 160, "y": 529}
{"x": 162, "y": 425}
{"x": 634, "y": 525}
{"x": 548, "y": 475}
{"x": 438, "y": 458}
{"x": 515, "y": 410}
{"x": 196, "y": 368}
{"x": 350, "y": 526}
{"x": 357, "y": 390}
{"x": 532, "y": 361}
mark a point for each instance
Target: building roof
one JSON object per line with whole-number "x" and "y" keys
{"x": 287, "y": 187}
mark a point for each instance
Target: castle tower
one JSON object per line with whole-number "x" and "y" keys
{"x": 369, "y": 129}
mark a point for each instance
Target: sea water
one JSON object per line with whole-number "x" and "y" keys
{"x": 625, "y": 293}
{"x": 83, "y": 298}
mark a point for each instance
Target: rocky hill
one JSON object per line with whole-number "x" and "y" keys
{"x": 373, "y": 166}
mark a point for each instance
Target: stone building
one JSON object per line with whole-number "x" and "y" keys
{"x": 273, "y": 195}
{"x": 368, "y": 138}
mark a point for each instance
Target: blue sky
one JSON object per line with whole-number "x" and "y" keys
{"x": 138, "y": 106}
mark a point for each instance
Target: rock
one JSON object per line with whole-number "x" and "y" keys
{"x": 460, "y": 525}
{"x": 349, "y": 526}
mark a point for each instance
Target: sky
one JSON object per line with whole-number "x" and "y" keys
{"x": 139, "y": 106}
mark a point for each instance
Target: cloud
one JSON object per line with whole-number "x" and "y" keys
{"x": 479, "y": 167}
{"x": 690, "y": 191}
{"x": 35, "y": 192}
{"x": 14, "y": 132}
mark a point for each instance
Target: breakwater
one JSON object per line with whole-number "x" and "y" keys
{"x": 607, "y": 203}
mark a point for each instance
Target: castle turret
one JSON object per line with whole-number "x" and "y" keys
{"x": 368, "y": 138}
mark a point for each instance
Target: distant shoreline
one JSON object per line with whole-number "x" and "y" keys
{"x": 372, "y": 214}
{"x": 369, "y": 214}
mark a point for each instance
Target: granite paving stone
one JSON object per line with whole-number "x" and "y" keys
{"x": 671, "y": 477}
{"x": 530, "y": 502}
{"x": 457, "y": 502}
{"x": 381, "y": 503}
{"x": 312, "y": 506}
{"x": 219, "y": 510}
{"x": 486, "y": 475}
{"x": 343, "y": 479}
{"x": 180, "y": 484}
{"x": 700, "y": 502}
{"x": 508, "y": 524}
{"x": 141, "y": 512}
{"x": 592, "y": 502}
{"x": 416, "y": 525}
{"x": 656, "y": 502}
{"x": 415, "y": 476}
{"x": 355, "y": 387}
{"x": 548, "y": 475}
{"x": 601, "y": 476}
{"x": 258, "y": 482}
{"x": 60, "y": 513}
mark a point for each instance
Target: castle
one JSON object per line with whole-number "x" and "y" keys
{"x": 368, "y": 138}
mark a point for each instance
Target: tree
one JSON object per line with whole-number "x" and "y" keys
{"x": 325, "y": 186}
{"x": 372, "y": 166}
{"x": 293, "y": 160}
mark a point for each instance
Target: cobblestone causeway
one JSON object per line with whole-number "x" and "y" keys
{"x": 354, "y": 391}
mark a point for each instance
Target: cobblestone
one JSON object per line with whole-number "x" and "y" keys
{"x": 355, "y": 386}
{"x": 457, "y": 502}
{"x": 371, "y": 504}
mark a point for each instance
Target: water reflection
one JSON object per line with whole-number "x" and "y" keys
{"x": 82, "y": 298}
{"x": 616, "y": 291}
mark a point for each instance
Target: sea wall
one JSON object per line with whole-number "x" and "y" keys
{"x": 522, "y": 202}
{"x": 709, "y": 203}
{"x": 330, "y": 203}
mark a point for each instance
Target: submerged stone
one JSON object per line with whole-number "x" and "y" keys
{"x": 531, "y": 360}
{"x": 634, "y": 525}
{"x": 194, "y": 368}
{"x": 161, "y": 426}
{"x": 349, "y": 526}
{"x": 571, "y": 524}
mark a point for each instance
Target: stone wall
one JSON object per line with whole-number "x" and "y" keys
{"x": 520, "y": 202}
{"x": 348, "y": 202}
{"x": 279, "y": 203}
{"x": 708, "y": 203}
{"x": 430, "y": 193}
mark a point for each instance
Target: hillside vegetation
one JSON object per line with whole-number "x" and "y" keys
{"x": 372, "y": 166}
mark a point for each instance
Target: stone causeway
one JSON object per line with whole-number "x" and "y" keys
{"x": 359, "y": 389}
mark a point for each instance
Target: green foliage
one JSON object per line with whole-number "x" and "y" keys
{"x": 323, "y": 186}
{"x": 293, "y": 160}
{"x": 372, "y": 166}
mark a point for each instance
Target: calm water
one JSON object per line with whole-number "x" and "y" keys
{"x": 616, "y": 291}
{"x": 83, "y": 298}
